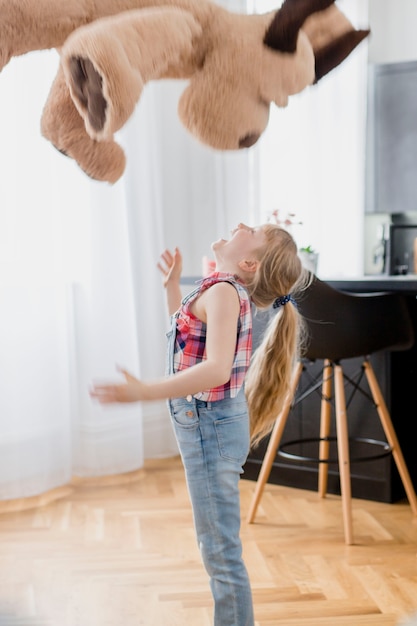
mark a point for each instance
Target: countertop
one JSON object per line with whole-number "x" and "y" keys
{"x": 406, "y": 284}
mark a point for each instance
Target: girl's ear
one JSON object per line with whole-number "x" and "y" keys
{"x": 249, "y": 266}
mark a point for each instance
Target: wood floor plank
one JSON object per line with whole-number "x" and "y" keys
{"x": 121, "y": 551}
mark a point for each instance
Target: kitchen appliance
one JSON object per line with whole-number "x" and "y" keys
{"x": 401, "y": 249}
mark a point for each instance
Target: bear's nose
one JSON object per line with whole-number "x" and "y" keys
{"x": 248, "y": 140}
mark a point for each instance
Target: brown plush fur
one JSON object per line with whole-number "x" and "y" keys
{"x": 110, "y": 49}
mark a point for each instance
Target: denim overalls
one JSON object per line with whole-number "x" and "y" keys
{"x": 213, "y": 439}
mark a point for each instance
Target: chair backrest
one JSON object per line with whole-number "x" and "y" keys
{"x": 343, "y": 325}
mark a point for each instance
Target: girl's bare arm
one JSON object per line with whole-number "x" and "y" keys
{"x": 221, "y": 305}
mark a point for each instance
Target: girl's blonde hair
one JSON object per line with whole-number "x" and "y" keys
{"x": 267, "y": 384}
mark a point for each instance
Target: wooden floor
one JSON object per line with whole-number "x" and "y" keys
{"x": 121, "y": 552}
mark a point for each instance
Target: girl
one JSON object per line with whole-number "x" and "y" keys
{"x": 209, "y": 351}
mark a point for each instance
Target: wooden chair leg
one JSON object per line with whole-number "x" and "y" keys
{"x": 391, "y": 435}
{"x": 273, "y": 444}
{"x": 343, "y": 453}
{"x": 325, "y": 419}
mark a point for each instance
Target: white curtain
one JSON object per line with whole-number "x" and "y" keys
{"x": 79, "y": 289}
{"x": 66, "y": 303}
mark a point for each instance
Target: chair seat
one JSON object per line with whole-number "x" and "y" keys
{"x": 344, "y": 325}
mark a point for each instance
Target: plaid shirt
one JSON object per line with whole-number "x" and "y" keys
{"x": 190, "y": 342}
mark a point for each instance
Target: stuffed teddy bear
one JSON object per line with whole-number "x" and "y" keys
{"x": 236, "y": 65}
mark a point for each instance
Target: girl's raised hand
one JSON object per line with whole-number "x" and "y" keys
{"x": 170, "y": 266}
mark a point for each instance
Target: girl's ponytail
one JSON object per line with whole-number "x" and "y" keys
{"x": 267, "y": 384}
{"x": 269, "y": 377}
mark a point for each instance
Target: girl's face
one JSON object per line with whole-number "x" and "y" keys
{"x": 242, "y": 246}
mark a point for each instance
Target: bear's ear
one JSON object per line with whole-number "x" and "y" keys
{"x": 282, "y": 33}
{"x": 336, "y": 51}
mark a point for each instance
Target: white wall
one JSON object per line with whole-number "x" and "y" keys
{"x": 393, "y": 25}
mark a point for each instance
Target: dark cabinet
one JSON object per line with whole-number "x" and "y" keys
{"x": 373, "y": 480}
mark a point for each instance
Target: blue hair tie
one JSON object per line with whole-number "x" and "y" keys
{"x": 282, "y": 301}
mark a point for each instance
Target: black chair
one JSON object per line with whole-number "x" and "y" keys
{"x": 343, "y": 326}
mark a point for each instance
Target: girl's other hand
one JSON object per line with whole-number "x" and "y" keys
{"x": 132, "y": 390}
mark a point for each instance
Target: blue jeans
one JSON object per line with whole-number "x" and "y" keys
{"x": 213, "y": 439}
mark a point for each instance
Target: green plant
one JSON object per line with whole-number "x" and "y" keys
{"x": 308, "y": 250}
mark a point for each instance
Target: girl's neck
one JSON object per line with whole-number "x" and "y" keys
{"x": 226, "y": 269}
{"x": 231, "y": 268}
